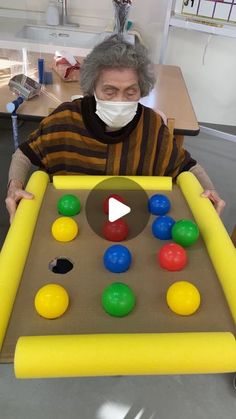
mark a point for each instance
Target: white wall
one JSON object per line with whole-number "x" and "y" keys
{"x": 101, "y": 8}
{"x": 211, "y": 84}
{"x": 211, "y": 80}
{"x": 148, "y": 15}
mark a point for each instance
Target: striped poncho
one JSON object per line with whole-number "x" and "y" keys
{"x": 73, "y": 140}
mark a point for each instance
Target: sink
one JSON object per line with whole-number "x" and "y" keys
{"x": 60, "y": 36}
{"x": 79, "y": 41}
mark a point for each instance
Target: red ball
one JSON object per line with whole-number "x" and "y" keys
{"x": 106, "y": 204}
{"x": 172, "y": 257}
{"x": 115, "y": 231}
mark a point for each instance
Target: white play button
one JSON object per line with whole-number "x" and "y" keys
{"x": 123, "y": 190}
{"x": 117, "y": 209}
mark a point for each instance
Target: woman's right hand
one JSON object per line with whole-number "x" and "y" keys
{"x": 14, "y": 194}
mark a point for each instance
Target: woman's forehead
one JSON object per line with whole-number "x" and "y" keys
{"x": 113, "y": 76}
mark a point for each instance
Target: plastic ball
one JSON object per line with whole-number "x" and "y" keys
{"x": 172, "y": 257}
{"x": 69, "y": 205}
{"x": 161, "y": 227}
{"x": 118, "y": 299}
{"x": 185, "y": 232}
{"x": 64, "y": 229}
{"x": 106, "y": 202}
{"x": 115, "y": 231}
{"x": 117, "y": 258}
{"x": 51, "y": 301}
{"x": 159, "y": 204}
{"x": 183, "y": 298}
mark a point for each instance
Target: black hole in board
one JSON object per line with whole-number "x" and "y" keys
{"x": 61, "y": 265}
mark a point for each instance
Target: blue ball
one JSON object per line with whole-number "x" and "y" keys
{"x": 117, "y": 258}
{"x": 161, "y": 227}
{"x": 159, "y": 204}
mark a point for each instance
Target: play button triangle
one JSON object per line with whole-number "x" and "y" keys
{"x": 117, "y": 209}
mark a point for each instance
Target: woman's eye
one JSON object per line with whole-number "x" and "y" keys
{"x": 109, "y": 92}
{"x": 132, "y": 92}
{"x": 130, "y": 95}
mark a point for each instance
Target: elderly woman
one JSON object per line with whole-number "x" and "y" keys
{"x": 107, "y": 132}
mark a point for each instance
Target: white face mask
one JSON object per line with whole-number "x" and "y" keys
{"x": 115, "y": 114}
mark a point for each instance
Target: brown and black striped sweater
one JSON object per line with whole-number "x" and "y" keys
{"x": 73, "y": 140}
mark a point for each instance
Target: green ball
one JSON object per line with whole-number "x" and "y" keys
{"x": 185, "y": 232}
{"x": 118, "y": 299}
{"x": 68, "y": 205}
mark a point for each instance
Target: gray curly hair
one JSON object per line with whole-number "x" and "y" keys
{"x": 115, "y": 52}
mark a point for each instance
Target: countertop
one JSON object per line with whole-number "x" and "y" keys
{"x": 169, "y": 95}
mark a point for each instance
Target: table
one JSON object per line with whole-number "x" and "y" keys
{"x": 170, "y": 95}
{"x": 87, "y": 341}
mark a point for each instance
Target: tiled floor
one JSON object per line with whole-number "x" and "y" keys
{"x": 148, "y": 397}
{"x": 151, "y": 397}
{"x": 218, "y": 157}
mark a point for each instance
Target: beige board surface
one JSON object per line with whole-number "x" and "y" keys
{"x": 89, "y": 277}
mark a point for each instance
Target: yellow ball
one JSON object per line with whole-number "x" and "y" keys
{"x": 51, "y": 301}
{"x": 183, "y": 298}
{"x": 64, "y": 229}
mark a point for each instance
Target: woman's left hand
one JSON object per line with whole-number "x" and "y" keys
{"x": 218, "y": 203}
